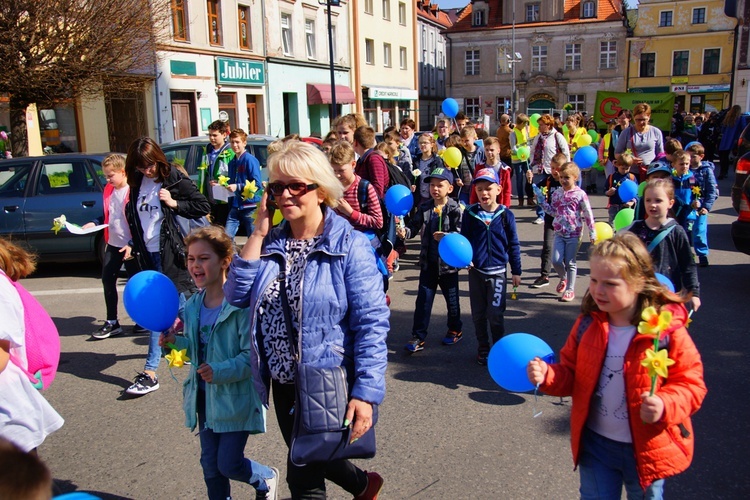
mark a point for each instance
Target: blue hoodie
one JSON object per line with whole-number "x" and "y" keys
{"x": 494, "y": 245}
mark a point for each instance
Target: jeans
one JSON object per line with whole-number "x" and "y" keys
{"x": 223, "y": 458}
{"x": 113, "y": 260}
{"x": 487, "y": 294}
{"x": 700, "y": 235}
{"x": 308, "y": 482}
{"x": 538, "y": 178}
{"x": 564, "y": 259}
{"x": 547, "y": 243}
{"x": 523, "y": 188}
{"x": 429, "y": 279}
{"x": 237, "y": 217}
{"x": 605, "y": 465}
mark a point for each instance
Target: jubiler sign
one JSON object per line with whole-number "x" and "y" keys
{"x": 239, "y": 72}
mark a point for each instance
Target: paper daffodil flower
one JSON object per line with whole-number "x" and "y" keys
{"x": 657, "y": 362}
{"x": 654, "y": 323}
{"x": 416, "y": 173}
{"x": 223, "y": 180}
{"x": 249, "y": 190}
{"x": 58, "y": 223}
{"x": 696, "y": 190}
{"x": 177, "y": 358}
{"x": 438, "y": 210}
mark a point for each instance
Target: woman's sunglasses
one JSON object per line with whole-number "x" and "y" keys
{"x": 295, "y": 188}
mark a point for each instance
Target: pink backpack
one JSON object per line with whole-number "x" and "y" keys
{"x": 42, "y": 340}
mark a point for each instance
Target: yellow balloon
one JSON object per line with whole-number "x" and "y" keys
{"x": 603, "y": 231}
{"x": 583, "y": 140}
{"x": 452, "y": 157}
{"x": 533, "y": 131}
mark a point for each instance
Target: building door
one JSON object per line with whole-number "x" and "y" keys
{"x": 126, "y": 117}
{"x": 252, "y": 115}
{"x": 181, "y": 119}
{"x": 228, "y": 103}
{"x": 291, "y": 113}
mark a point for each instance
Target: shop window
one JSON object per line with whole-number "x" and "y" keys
{"x": 59, "y": 130}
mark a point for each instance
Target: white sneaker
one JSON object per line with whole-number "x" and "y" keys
{"x": 539, "y": 220}
{"x": 273, "y": 487}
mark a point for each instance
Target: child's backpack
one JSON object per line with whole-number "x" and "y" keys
{"x": 42, "y": 341}
{"x": 397, "y": 176}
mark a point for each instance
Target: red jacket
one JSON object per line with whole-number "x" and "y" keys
{"x": 108, "y": 190}
{"x": 662, "y": 449}
{"x": 504, "y": 175}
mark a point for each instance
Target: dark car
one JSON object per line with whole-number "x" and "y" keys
{"x": 741, "y": 227}
{"x": 742, "y": 167}
{"x": 36, "y": 190}
{"x": 188, "y": 152}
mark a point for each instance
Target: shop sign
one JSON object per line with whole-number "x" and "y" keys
{"x": 679, "y": 88}
{"x": 679, "y": 79}
{"x": 239, "y": 72}
{"x": 384, "y": 93}
{"x": 648, "y": 90}
{"x": 720, "y": 87}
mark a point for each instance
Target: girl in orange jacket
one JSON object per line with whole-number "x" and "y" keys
{"x": 623, "y": 428}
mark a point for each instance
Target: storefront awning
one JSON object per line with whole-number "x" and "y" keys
{"x": 320, "y": 93}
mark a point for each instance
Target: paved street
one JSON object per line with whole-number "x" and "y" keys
{"x": 446, "y": 430}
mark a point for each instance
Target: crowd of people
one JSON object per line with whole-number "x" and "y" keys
{"x": 312, "y": 290}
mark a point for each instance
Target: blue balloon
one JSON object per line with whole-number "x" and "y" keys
{"x": 455, "y": 250}
{"x": 151, "y": 300}
{"x": 399, "y": 200}
{"x": 665, "y": 281}
{"x": 585, "y": 157}
{"x": 450, "y": 107}
{"x": 510, "y": 356}
{"x": 627, "y": 190}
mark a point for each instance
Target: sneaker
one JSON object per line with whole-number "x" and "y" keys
{"x": 273, "y": 487}
{"x": 374, "y": 485}
{"x": 568, "y": 296}
{"x": 561, "y": 286}
{"x": 109, "y": 329}
{"x": 540, "y": 282}
{"x": 482, "y": 354}
{"x": 452, "y": 337}
{"x": 415, "y": 345}
{"x": 139, "y": 330}
{"x": 702, "y": 261}
{"x": 538, "y": 220}
{"x": 143, "y": 384}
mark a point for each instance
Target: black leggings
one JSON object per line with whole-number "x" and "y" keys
{"x": 308, "y": 482}
{"x": 110, "y": 269}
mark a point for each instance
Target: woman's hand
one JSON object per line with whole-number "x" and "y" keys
{"x": 127, "y": 252}
{"x": 536, "y": 370}
{"x": 696, "y": 302}
{"x": 263, "y": 224}
{"x": 359, "y": 414}
{"x": 206, "y": 372}
{"x": 166, "y": 197}
{"x": 652, "y": 408}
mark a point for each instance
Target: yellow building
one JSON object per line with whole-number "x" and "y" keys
{"x": 686, "y": 47}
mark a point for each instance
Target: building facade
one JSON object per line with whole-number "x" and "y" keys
{"x": 552, "y": 53}
{"x": 740, "y": 10}
{"x": 383, "y": 45}
{"x": 431, "y": 21}
{"x": 685, "y": 47}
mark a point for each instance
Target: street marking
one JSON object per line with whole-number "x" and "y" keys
{"x": 75, "y": 291}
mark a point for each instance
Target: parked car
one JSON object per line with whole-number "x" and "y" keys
{"x": 741, "y": 227}
{"x": 36, "y": 190}
{"x": 188, "y": 152}
{"x": 742, "y": 167}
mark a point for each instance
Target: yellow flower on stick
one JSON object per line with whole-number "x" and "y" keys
{"x": 654, "y": 323}
{"x": 657, "y": 362}
{"x": 223, "y": 180}
{"x": 177, "y": 358}
{"x": 249, "y": 190}
{"x": 696, "y": 191}
{"x": 58, "y": 223}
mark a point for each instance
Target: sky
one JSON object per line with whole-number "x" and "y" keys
{"x": 449, "y": 4}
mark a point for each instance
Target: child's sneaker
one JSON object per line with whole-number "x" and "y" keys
{"x": 540, "y": 282}
{"x": 452, "y": 337}
{"x": 273, "y": 487}
{"x": 702, "y": 261}
{"x": 143, "y": 384}
{"x": 414, "y": 345}
{"x": 538, "y": 220}
{"x": 568, "y": 296}
{"x": 109, "y": 329}
{"x": 482, "y": 355}
{"x": 561, "y": 286}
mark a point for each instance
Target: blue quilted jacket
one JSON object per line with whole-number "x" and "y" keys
{"x": 345, "y": 318}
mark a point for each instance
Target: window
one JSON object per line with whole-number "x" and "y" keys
{"x": 680, "y": 59}
{"x": 368, "y": 7}
{"x": 472, "y": 108}
{"x": 572, "y": 56}
{"x": 578, "y": 101}
{"x": 310, "y": 38}
{"x": 286, "y": 34}
{"x": 369, "y": 51}
{"x": 539, "y": 58}
{"x": 333, "y": 40}
{"x": 243, "y": 17}
{"x": 214, "y": 22}
{"x": 402, "y": 58}
{"x": 504, "y": 55}
{"x": 387, "y": 55}
{"x": 699, "y": 15}
{"x": 472, "y": 62}
{"x": 503, "y": 106}
{"x": 648, "y": 65}
{"x": 179, "y": 21}
{"x": 608, "y": 55}
{"x": 711, "y": 58}
{"x": 532, "y": 12}
{"x": 402, "y": 13}
{"x": 387, "y": 10}
{"x": 588, "y": 9}
{"x": 478, "y": 18}
{"x": 665, "y": 18}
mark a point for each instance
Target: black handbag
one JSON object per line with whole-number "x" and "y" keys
{"x": 322, "y": 396}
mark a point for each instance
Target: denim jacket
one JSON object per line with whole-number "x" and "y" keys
{"x": 344, "y": 320}
{"x": 232, "y": 403}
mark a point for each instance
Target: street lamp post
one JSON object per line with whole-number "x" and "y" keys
{"x": 329, "y": 4}
{"x": 513, "y": 60}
